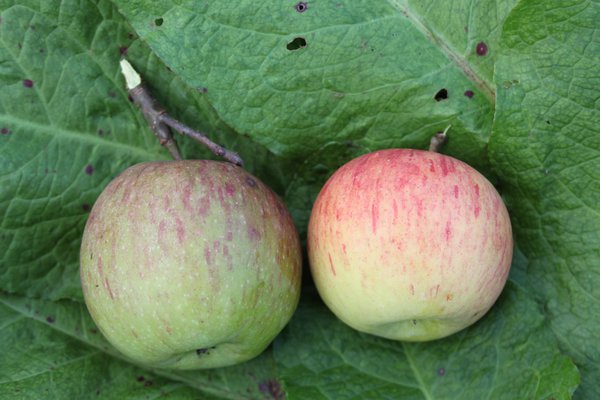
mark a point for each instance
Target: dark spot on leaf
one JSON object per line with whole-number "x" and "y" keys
{"x": 441, "y": 371}
{"x": 414, "y": 321}
{"x": 442, "y": 94}
{"x": 469, "y": 94}
{"x": 100, "y": 132}
{"x": 203, "y": 89}
{"x": 296, "y": 43}
{"x": 123, "y": 50}
{"x": 89, "y": 169}
{"x": 148, "y": 383}
{"x": 204, "y": 350}
{"x": 28, "y": 83}
{"x": 94, "y": 331}
{"x": 4, "y": 131}
{"x": 301, "y": 6}
{"x": 50, "y": 319}
{"x": 481, "y": 49}
{"x": 159, "y": 21}
{"x": 131, "y": 35}
{"x": 85, "y": 207}
{"x": 97, "y": 392}
{"x": 548, "y": 122}
{"x": 140, "y": 378}
{"x": 41, "y": 50}
{"x": 272, "y": 388}
{"x": 250, "y": 182}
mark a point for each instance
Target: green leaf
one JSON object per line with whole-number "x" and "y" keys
{"x": 546, "y": 148}
{"x": 507, "y": 355}
{"x": 54, "y": 350}
{"x": 366, "y": 80}
{"x": 297, "y": 101}
{"x": 74, "y": 130}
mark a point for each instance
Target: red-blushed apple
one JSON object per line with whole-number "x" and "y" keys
{"x": 190, "y": 264}
{"x": 409, "y": 245}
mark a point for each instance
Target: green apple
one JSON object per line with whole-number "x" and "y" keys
{"x": 190, "y": 264}
{"x": 409, "y": 245}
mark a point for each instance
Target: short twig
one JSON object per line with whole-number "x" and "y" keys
{"x": 438, "y": 140}
{"x": 160, "y": 121}
{"x": 200, "y": 137}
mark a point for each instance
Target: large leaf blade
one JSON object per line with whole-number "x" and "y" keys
{"x": 546, "y": 147}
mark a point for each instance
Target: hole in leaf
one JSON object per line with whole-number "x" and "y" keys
{"x": 159, "y": 21}
{"x": 297, "y": 43}
{"x": 442, "y": 94}
{"x": 301, "y": 6}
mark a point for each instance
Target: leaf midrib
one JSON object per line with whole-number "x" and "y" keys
{"x": 91, "y": 139}
{"x": 446, "y": 48}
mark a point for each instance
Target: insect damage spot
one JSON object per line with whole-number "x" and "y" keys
{"x": 272, "y": 388}
{"x": 140, "y": 378}
{"x": 296, "y": 43}
{"x": 301, "y": 6}
{"x": 469, "y": 94}
{"x": 4, "y": 131}
{"x": 159, "y": 21}
{"x": 250, "y": 182}
{"x": 28, "y": 83}
{"x": 481, "y": 49}
{"x": 204, "y": 350}
{"x": 89, "y": 169}
{"x": 442, "y": 94}
{"x": 441, "y": 371}
{"x": 123, "y": 50}
{"x": 50, "y": 319}
{"x": 85, "y": 207}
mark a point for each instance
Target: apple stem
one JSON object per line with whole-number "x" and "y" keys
{"x": 160, "y": 121}
{"x": 438, "y": 140}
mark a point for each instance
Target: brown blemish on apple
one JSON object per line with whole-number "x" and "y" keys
{"x": 331, "y": 264}
{"x": 250, "y": 182}
{"x": 449, "y": 297}
{"x": 253, "y": 234}
{"x": 434, "y": 290}
{"x": 412, "y": 289}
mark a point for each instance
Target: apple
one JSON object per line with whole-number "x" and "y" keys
{"x": 190, "y": 264}
{"x": 409, "y": 245}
